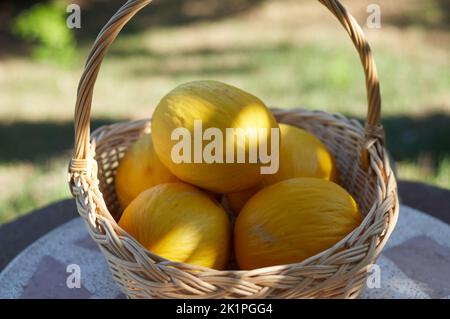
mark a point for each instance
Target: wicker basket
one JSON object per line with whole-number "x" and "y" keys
{"x": 340, "y": 271}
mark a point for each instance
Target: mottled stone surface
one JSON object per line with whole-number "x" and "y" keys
{"x": 40, "y": 271}
{"x": 426, "y": 261}
{"x": 87, "y": 242}
{"x": 49, "y": 281}
{"x": 398, "y": 280}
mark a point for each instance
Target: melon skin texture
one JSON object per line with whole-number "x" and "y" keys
{"x": 180, "y": 223}
{"x": 293, "y": 220}
{"x": 237, "y": 200}
{"x": 301, "y": 155}
{"x": 217, "y": 105}
{"x": 138, "y": 170}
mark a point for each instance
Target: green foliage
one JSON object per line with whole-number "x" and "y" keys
{"x": 45, "y": 25}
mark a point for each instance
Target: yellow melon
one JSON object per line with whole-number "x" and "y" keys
{"x": 301, "y": 155}
{"x": 180, "y": 223}
{"x": 237, "y": 200}
{"x": 138, "y": 170}
{"x": 292, "y": 220}
{"x": 217, "y": 106}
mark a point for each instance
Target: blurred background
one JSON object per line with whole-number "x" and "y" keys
{"x": 290, "y": 53}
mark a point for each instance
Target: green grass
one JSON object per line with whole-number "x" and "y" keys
{"x": 302, "y": 59}
{"x": 26, "y": 187}
{"x": 424, "y": 173}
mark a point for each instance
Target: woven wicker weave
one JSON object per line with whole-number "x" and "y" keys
{"x": 340, "y": 271}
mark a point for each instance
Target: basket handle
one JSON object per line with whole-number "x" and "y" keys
{"x": 81, "y": 158}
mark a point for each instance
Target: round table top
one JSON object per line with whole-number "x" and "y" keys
{"x": 414, "y": 264}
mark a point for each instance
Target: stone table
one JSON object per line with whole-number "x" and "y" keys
{"x": 414, "y": 264}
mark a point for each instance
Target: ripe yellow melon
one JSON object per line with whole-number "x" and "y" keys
{"x": 301, "y": 155}
{"x": 292, "y": 220}
{"x": 180, "y": 223}
{"x": 220, "y": 106}
{"x": 237, "y": 200}
{"x": 138, "y": 170}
